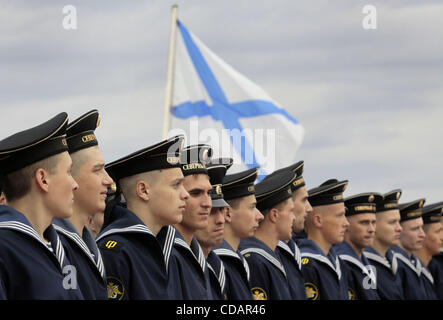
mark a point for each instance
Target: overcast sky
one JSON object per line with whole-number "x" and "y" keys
{"x": 370, "y": 100}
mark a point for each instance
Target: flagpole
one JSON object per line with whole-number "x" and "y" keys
{"x": 169, "y": 80}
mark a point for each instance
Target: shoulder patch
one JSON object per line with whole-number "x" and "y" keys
{"x": 311, "y": 291}
{"x": 351, "y": 294}
{"x": 115, "y": 287}
{"x": 259, "y": 294}
{"x": 112, "y": 245}
{"x": 305, "y": 261}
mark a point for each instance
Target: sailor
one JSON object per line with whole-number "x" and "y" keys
{"x": 436, "y": 265}
{"x": 432, "y": 227}
{"x": 188, "y": 268}
{"x": 268, "y": 279}
{"x": 212, "y": 235}
{"x": 288, "y": 251}
{"x": 411, "y": 239}
{"x": 37, "y": 182}
{"x": 325, "y": 226}
{"x": 136, "y": 240}
{"x": 388, "y": 230}
{"x": 241, "y": 221}
{"x": 360, "y": 212}
{"x": 88, "y": 169}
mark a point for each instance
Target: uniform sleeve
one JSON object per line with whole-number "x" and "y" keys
{"x": 311, "y": 278}
{"x": 117, "y": 269}
{"x": 258, "y": 278}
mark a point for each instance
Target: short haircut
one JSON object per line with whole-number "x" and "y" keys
{"x": 79, "y": 158}
{"x": 17, "y": 184}
{"x": 279, "y": 206}
{"x": 128, "y": 184}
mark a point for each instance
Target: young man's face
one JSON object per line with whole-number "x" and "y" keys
{"x": 61, "y": 186}
{"x": 388, "y": 228}
{"x": 245, "y": 218}
{"x": 168, "y": 197}
{"x": 199, "y": 203}
{"x": 361, "y": 231}
{"x": 212, "y": 235}
{"x": 334, "y": 222}
{"x": 93, "y": 181}
{"x": 434, "y": 238}
{"x": 412, "y": 236}
{"x": 301, "y": 208}
{"x": 286, "y": 220}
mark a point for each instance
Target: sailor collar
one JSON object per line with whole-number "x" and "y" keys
{"x": 347, "y": 253}
{"x": 14, "y": 220}
{"x": 215, "y": 264}
{"x": 309, "y": 249}
{"x": 254, "y": 245}
{"x": 294, "y": 252}
{"x": 225, "y": 249}
{"x": 194, "y": 249}
{"x": 127, "y": 222}
{"x": 85, "y": 243}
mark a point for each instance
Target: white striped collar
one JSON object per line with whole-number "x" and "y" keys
{"x": 295, "y": 254}
{"x": 197, "y": 253}
{"x": 267, "y": 256}
{"x": 359, "y": 264}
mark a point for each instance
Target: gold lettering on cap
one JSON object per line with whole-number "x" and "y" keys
{"x": 193, "y": 166}
{"x": 89, "y": 137}
{"x": 390, "y": 205}
{"x": 251, "y": 189}
{"x": 364, "y": 208}
{"x": 337, "y": 197}
{"x": 413, "y": 214}
{"x": 434, "y": 218}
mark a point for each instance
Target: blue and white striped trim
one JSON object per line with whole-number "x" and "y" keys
{"x": 28, "y": 230}
{"x": 135, "y": 228}
{"x": 324, "y": 260}
{"x": 406, "y": 261}
{"x": 360, "y": 265}
{"x": 233, "y": 254}
{"x": 169, "y": 243}
{"x": 82, "y": 245}
{"x": 200, "y": 259}
{"x": 267, "y": 256}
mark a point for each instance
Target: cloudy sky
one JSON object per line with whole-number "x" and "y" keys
{"x": 370, "y": 100}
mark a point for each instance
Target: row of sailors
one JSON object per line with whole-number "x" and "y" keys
{"x": 186, "y": 230}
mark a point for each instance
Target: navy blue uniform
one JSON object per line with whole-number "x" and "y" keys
{"x": 84, "y": 254}
{"x": 289, "y": 255}
{"x": 217, "y": 276}
{"x": 409, "y": 270}
{"x": 428, "y": 282}
{"x": 188, "y": 271}
{"x": 135, "y": 259}
{"x": 237, "y": 272}
{"x": 436, "y": 269}
{"x": 389, "y": 286}
{"x": 267, "y": 275}
{"x": 29, "y": 267}
{"x": 362, "y": 283}
{"x": 322, "y": 274}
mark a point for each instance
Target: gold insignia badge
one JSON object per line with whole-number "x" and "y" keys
{"x": 351, "y": 294}
{"x": 397, "y": 196}
{"x": 371, "y": 198}
{"x": 218, "y": 189}
{"x": 98, "y": 121}
{"x": 311, "y": 291}
{"x": 116, "y": 290}
{"x": 113, "y": 187}
{"x": 205, "y": 155}
{"x": 421, "y": 204}
{"x": 259, "y": 294}
{"x": 304, "y": 261}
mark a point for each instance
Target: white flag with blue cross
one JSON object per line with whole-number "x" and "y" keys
{"x": 213, "y": 103}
